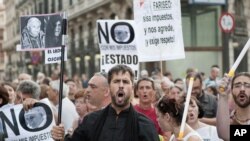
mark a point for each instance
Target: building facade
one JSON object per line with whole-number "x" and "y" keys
{"x": 204, "y": 42}
{"x": 2, "y": 24}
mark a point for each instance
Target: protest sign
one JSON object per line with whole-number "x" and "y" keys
{"x": 20, "y": 125}
{"x": 117, "y": 43}
{"x": 53, "y": 55}
{"x": 42, "y": 32}
{"x": 158, "y": 24}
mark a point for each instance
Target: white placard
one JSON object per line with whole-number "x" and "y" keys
{"x": 159, "y": 30}
{"x": 35, "y": 124}
{"x": 53, "y": 55}
{"x": 39, "y": 32}
{"x": 117, "y": 43}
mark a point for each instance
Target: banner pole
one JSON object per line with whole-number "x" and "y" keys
{"x": 64, "y": 32}
{"x": 184, "y": 117}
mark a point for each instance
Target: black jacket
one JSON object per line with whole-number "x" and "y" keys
{"x": 114, "y": 127}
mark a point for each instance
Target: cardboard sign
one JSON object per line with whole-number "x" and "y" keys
{"x": 117, "y": 42}
{"x": 159, "y": 29}
{"x": 35, "y": 124}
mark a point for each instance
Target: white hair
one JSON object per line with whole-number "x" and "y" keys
{"x": 167, "y": 81}
{"x": 56, "y": 86}
{"x": 32, "y": 21}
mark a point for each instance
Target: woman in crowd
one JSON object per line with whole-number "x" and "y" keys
{"x": 81, "y": 108}
{"x": 11, "y": 88}
{"x": 195, "y": 111}
{"x": 44, "y": 89}
{"x": 169, "y": 115}
{"x": 176, "y": 92}
{"x": 4, "y": 97}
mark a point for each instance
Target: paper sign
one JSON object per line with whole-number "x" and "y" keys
{"x": 117, "y": 44}
{"x": 159, "y": 29}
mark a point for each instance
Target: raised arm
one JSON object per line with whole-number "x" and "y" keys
{"x": 223, "y": 117}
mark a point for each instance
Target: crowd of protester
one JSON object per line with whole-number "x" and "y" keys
{"x": 156, "y": 100}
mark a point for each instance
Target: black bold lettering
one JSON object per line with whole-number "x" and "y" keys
{"x": 107, "y": 59}
{"x": 103, "y": 59}
{"x": 5, "y": 120}
{"x": 48, "y": 115}
{"x": 118, "y": 58}
{"x": 123, "y": 59}
{"x": 104, "y": 34}
{"x": 135, "y": 59}
{"x": 112, "y": 57}
{"x": 129, "y": 59}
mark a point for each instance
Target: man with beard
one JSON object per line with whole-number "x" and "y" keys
{"x": 208, "y": 101}
{"x": 240, "y": 89}
{"x": 118, "y": 121}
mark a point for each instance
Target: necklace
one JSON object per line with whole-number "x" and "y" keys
{"x": 242, "y": 122}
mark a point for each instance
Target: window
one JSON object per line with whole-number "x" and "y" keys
{"x": 239, "y": 8}
{"x": 200, "y": 26}
{"x": 40, "y": 8}
{"x": 53, "y": 6}
{"x": 46, "y": 10}
{"x": 60, "y": 7}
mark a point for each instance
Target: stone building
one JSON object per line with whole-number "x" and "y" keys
{"x": 2, "y": 19}
{"x": 204, "y": 42}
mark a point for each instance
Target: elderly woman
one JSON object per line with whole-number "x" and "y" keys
{"x": 81, "y": 108}
{"x": 169, "y": 115}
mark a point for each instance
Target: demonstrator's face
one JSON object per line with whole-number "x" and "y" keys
{"x": 241, "y": 91}
{"x": 121, "y": 88}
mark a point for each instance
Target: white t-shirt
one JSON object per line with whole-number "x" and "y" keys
{"x": 68, "y": 113}
{"x": 209, "y": 133}
{"x": 193, "y": 133}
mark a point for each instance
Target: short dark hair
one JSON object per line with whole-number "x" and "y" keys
{"x": 195, "y": 75}
{"x": 238, "y": 75}
{"x": 120, "y": 68}
{"x": 69, "y": 80}
{"x": 4, "y": 95}
{"x": 201, "y": 111}
{"x": 145, "y": 79}
{"x": 12, "y": 85}
{"x": 177, "y": 79}
{"x": 215, "y": 66}
{"x": 172, "y": 107}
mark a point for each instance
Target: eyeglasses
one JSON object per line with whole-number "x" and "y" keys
{"x": 239, "y": 85}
